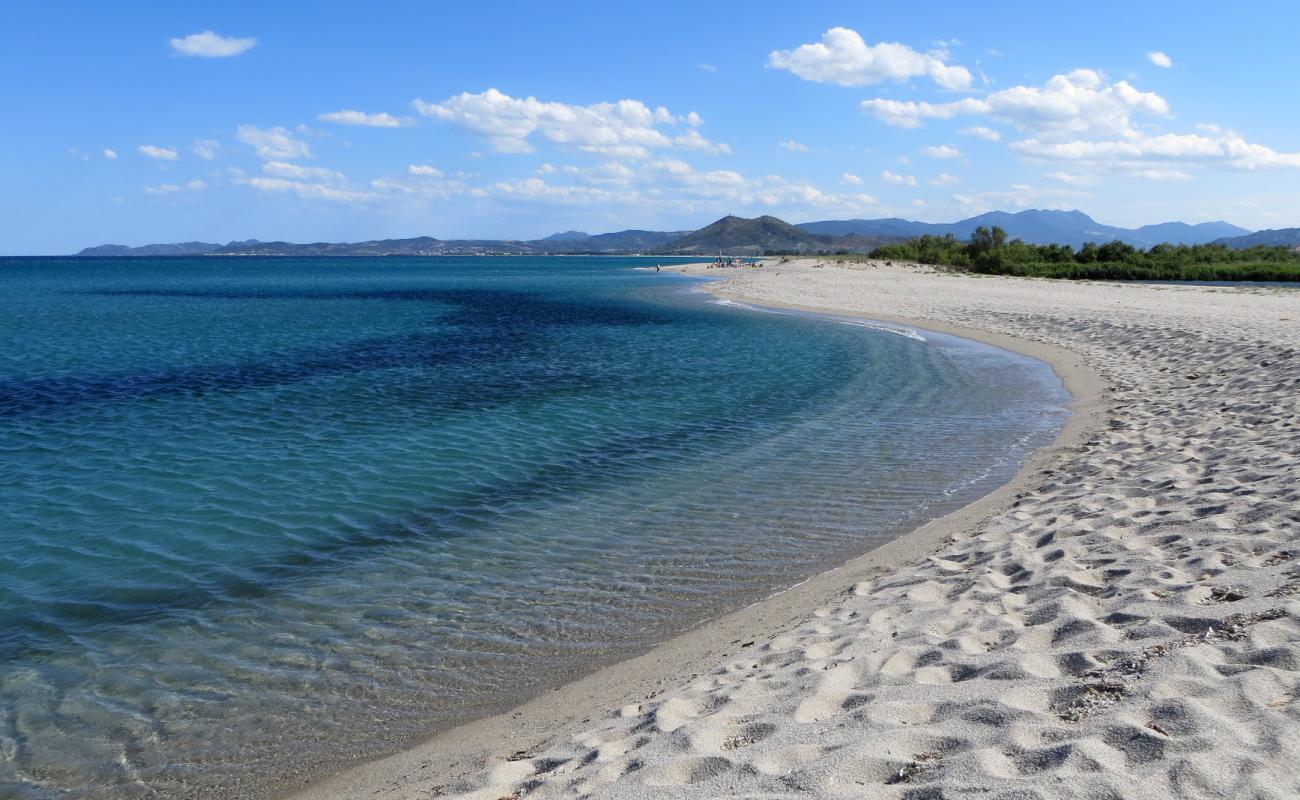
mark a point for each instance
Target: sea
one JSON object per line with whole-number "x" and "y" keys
{"x": 261, "y": 517}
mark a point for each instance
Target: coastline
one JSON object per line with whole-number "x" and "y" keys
{"x": 504, "y": 744}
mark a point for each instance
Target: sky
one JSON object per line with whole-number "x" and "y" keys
{"x": 133, "y": 122}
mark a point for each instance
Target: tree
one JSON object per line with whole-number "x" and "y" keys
{"x": 985, "y": 240}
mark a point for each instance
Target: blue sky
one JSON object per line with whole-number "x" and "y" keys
{"x": 155, "y": 122}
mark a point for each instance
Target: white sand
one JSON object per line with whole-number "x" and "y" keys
{"x": 1122, "y": 621}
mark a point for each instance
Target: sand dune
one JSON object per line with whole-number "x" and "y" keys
{"x": 1123, "y": 622}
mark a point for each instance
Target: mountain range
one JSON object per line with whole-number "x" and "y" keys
{"x": 737, "y": 235}
{"x": 1283, "y": 237}
{"x": 1036, "y": 227}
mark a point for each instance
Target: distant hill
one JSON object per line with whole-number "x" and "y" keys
{"x": 1182, "y": 233}
{"x": 567, "y": 236}
{"x": 421, "y": 246}
{"x": 750, "y": 236}
{"x": 1036, "y": 226}
{"x": 632, "y": 241}
{"x": 1284, "y": 237}
{"x": 177, "y": 249}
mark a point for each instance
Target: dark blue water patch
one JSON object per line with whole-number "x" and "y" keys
{"x": 483, "y": 327}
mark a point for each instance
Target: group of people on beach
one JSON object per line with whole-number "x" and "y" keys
{"x": 722, "y": 262}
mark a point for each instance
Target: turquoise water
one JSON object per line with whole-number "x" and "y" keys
{"x": 258, "y": 516}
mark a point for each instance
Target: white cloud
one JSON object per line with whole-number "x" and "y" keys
{"x": 842, "y": 57}
{"x": 897, "y": 180}
{"x": 539, "y": 189}
{"x": 982, "y": 132}
{"x": 211, "y": 45}
{"x": 850, "y": 179}
{"x": 1071, "y": 179}
{"x": 624, "y": 129}
{"x": 1137, "y": 152}
{"x": 941, "y": 151}
{"x": 1017, "y": 196}
{"x": 918, "y": 203}
{"x": 159, "y": 153}
{"x": 912, "y": 114}
{"x": 275, "y": 143}
{"x": 110, "y": 154}
{"x": 1160, "y": 174}
{"x": 206, "y": 149}
{"x": 1160, "y": 59}
{"x": 692, "y": 140}
{"x": 195, "y": 185}
{"x": 671, "y": 183}
{"x": 312, "y": 191}
{"x": 284, "y": 169}
{"x": 944, "y": 179}
{"x": 793, "y": 146}
{"x": 429, "y": 184}
{"x": 1079, "y": 102}
{"x": 707, "y": 67}
{"x": 380, "y": 120}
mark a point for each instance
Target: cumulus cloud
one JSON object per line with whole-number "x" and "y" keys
{"x": 206, "y": 149}
{"x": 380, "y": 120}
{"x": 275, "y": 143}
{"x": 843, "y": 57}
{"x": 944, "y": 179}
{"x": 675, "y": 183}
{"x": 1227, "y": 149}
{"x": 1160, "y": 59}
{"x": 211, "y": 45}
{"x": 284, "y": 169}
{"x": 941, "y": 151}
{"x": 1080, "y": 102}
{"x": 1080, "y": 117}
{"x": 1070, "y": 179}
{"x": 426, "y": 171}
{"x": 195, "y": 185}
{"x": 850, "y": 179}
{"x": 110, "y": 154}
{"x": 539, "y": 189}
{"x": 895, "y": 179}
{"x": 793, "y": 146}
{"x": 623, "y": 129}
{"x": 693, "y": 140}
{"x": 1018, "y": 195}
{"x": 309, "y": 190}
{"x": 982, "y": 132}
{"x": 159, "y": 153}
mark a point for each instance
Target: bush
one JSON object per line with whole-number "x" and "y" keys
{"x": 989, "y": 252}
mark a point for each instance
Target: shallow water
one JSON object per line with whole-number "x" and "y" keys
{"x": 260, "y": 515}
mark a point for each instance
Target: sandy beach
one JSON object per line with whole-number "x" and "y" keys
{"x": 1122, "y": 620}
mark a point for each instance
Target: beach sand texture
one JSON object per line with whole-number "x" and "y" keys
{"x": 1121, "y": 622}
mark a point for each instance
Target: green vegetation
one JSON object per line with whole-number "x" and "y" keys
{"x": 988, "y": 252}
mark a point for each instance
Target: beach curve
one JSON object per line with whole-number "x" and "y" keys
{"x": 457, "y": 755}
